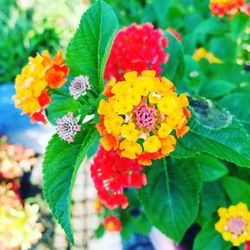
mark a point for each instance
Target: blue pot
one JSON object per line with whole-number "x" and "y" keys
{"x": 11, "y": 119}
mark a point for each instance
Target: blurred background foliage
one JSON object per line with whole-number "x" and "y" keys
{"x": 30, "y": 26}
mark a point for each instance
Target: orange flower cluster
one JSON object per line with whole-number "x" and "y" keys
{"x": 224, "y": 7}
{"x": 41, "y": 74}
{"x": 140, "y": 116}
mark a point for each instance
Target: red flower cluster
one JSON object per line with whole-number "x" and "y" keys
{"x": 137, "y": 47}
{"x": 111, "y": 174}
{"x": 112, "y": 224}
{"x": 223, "y": 7}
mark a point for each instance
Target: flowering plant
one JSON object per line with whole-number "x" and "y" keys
{"x": 158, "y": 128}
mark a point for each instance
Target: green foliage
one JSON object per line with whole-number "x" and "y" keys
{"x": 231, "y": 103}
{"x": 60, "y": 167}
{"x": 209, "y": 239}
{"x": 88, "y": 51}
{"x": 175, "y": 67}
{"x": 217, "y": 88}
{"x": 133, "y": 218}
{"x": 173, "y": 206}
{"x": 212, "y": 197}
{"x": 99, "y": 232}
{"x": 212, "y": 169}
{"x": 237, "y": 190}
{"x": 60, "y": 106}
{"x": 19, "y": 40}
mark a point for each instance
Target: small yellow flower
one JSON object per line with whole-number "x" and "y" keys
{"x": 104, "y": 108}
{"x": 174, "y": 119}
{"x": 144, "y": 85}
{"x": 183, "y": 100}
{"x": 130, "y": 149}
{"x": 164, "y": 86}
{"x": 168, "y": 145}
{"x": 130, "y": 76}
{"x": 152, "y": 144}
{"x": 133, "y": 98}
{"x": 234, "y": 224}
{"x": 113, "y": 123}
{"x": 168, "y": 104}
{"x": 120, "y": 89}
{"x": 122, "y": 106}
{"x": 164, "y": 130}
{"x": 130, "y": 132}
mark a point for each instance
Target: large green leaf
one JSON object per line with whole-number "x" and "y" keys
{"x": 89, "y": 49}
{"x": 211, "y": 168}
{"x": 174, "y": 69}
{"x": 209, "y": 239}
{"x": 212, "y": 197}
{"x": 214, "y": 131}
{"x": 60, "y": 106}
{"x": 171, "y": 197}
{"x": 237, "y": 190}
{"x": 60, "y": 167}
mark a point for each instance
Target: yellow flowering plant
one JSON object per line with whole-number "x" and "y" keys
{"x": 130, "y": 97}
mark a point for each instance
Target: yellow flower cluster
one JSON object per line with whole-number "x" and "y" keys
{"x": 19, "y": 228}
{"x": 32, "y": 85}
{"x": 202, "y": 53}
{"x": 139, "y": 116}
{"x": 234, "y": 224}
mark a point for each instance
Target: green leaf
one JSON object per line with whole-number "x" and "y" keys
{"x": 212, "y": 197}
{"x": 99, "y": 232}
{"x": 217, "y": 88}
{"x": 89, "y": 49}
{"x": 209, "y": 239}
{"x": 237, "y": 190}
{"x": 161, "y": 9}
{"x": 238, "y": 24}
{"x": 174, "y": 69}
{"x": 223, "y": 48}
{"x": 212, "y": 132}
{"x": 194, "y": 77}
{"x": 238, "y": 104}
{"x": 212, "y": 169}
{"x": 208, "y": 114}
{"x": 60, "y": 167}
{"x": 60, "y": 107}
{"x": 171, "y": 197}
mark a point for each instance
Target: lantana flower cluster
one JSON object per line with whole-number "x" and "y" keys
{"x": 137, "y": 47}
{"x": 234, "y": 224}
{"x": 224, "y": 7}
{"x": 14, "y": 159}
{"x": 33, "y": 85}
{"x": 111, "y": 174}
{"x": 140, "y": 115}
{"x": 19, "y": 227}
